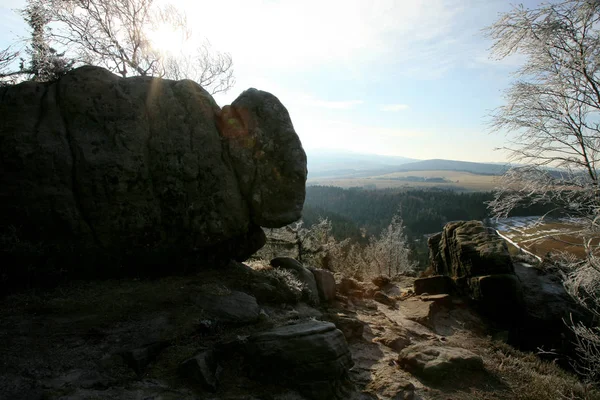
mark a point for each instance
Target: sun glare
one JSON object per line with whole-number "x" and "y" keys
{"x": 166, "y": 39}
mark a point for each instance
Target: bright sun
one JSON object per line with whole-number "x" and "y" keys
{"x": 166, "y": 39}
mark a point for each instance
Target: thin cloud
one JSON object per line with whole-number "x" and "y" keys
{"x": 394, "y": 107}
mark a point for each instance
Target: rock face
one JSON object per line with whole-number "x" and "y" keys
{"x": 95, "y": 161}
{"x": 312, "y": 356}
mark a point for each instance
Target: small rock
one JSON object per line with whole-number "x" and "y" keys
{"x": 437, "y": 363}
{"x": 381, "y": 281}
{"x": 394, "y": 341}
{"x": 384, "y": 299}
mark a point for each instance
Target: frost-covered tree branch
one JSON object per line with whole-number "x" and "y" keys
{"x": 552, "y": 114}
{"x": 117, "y": 35}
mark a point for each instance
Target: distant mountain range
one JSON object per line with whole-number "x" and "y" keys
{"x": 338, "y": 164}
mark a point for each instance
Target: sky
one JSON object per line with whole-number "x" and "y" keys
{"x": 410, "y": 78}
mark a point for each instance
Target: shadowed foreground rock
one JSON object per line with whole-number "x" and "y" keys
{"x": 98, "y": 164}
{"x": 312, "y": 356}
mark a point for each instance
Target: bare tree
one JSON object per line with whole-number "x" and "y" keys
{"x": 8, "y": 74}
{"x": 553, "y": 107}
{"x": 387, "y": 254}
{"x": 552, "y": 111}
{"x": 116, "y": 34}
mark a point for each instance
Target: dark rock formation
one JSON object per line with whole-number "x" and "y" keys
{"x": 129, "y": 166}
{"x": 466, "y": 249}
{"x": 478, "y": 262}
{"x": 312, "y": 356}
{"x": 438, "y": 284}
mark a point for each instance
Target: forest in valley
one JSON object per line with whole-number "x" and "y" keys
{"x": 358, "y": 214}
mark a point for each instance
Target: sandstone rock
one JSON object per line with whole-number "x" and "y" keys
{"x": 267, "y": 157}
{"x": 226, "y": 305}
{"x": 479, "y": 265}
{"x": 467, "y": 249}
{"x": 325, "y": 284}
{"x": 124, "y": 167}
{"x": 310, "y": 355}
{"x": 438, "y": 363}
{"x": 437, "y": 284}
{"x": 303, "y": 274}
{"x": 202, "y": 369}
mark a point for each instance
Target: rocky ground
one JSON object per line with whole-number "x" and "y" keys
{"x": 242, "y": 333}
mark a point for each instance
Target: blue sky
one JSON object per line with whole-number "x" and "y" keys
{"x": 395, "y": 77}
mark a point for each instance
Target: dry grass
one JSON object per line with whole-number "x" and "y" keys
{"x": 543, "y": 238}
{"x": 524, "y": 376}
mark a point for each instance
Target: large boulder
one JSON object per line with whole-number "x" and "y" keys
{"x": 129, "y": 166}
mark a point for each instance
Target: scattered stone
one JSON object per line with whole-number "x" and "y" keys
{"x": 384, "y": 299}
{"x": 393, "y": 340}
{"x": 438, "y": 284}
{"x": 438, "y": 363}
{"x": 309, "y": 355}
{"x": 226, "y": 305}
{"x": 304, "y": 275}
{"x": 325, "y": 284}
{"x": 139, "y": 358}
{"x": 201, "y": 369}
{"x": 381, "y": 281}
{"x": 352, "y": 328}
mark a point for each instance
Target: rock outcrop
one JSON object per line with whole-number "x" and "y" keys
{"x": 130, "y": 166}
{"x": 478, "y": 262}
